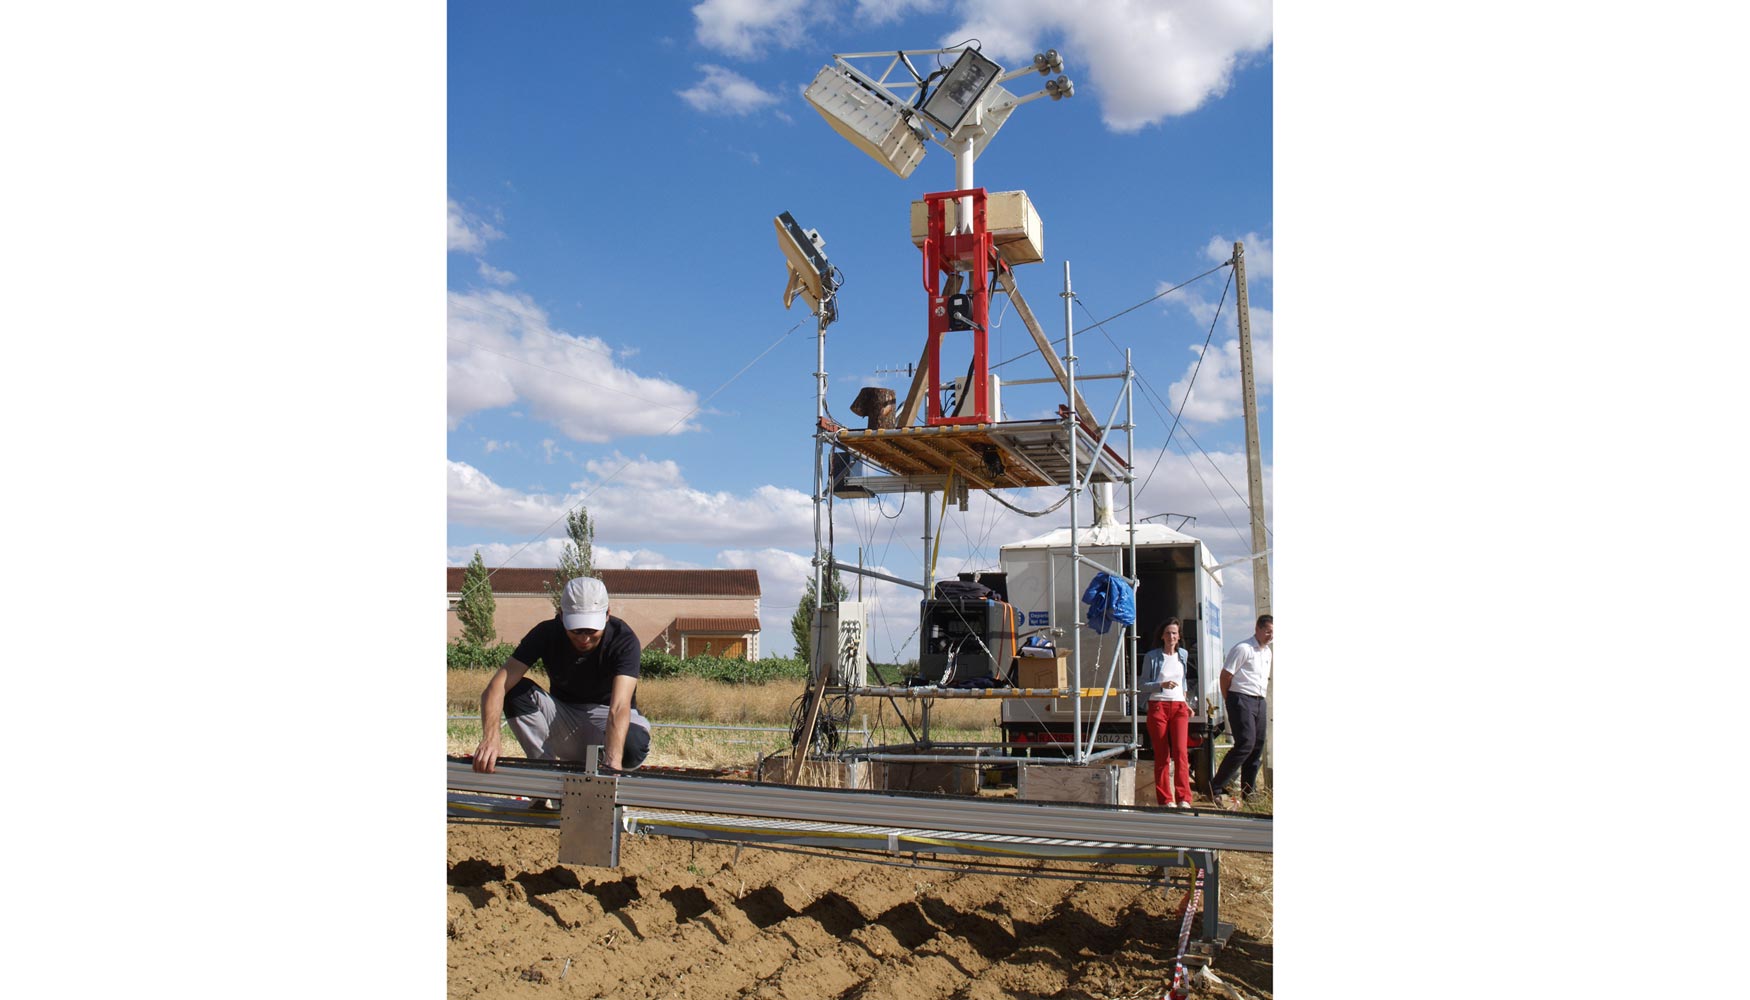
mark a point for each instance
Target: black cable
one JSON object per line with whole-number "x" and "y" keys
{"x": 1199, "y": 367}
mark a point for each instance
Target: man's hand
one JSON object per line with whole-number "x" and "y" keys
{"x": 1171, "y": 685}
{"x": 486, "y": 755}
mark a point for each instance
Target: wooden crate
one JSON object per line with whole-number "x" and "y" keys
{"x": 1105, "y": 784}
{"x": 945, "y": 779}
{"x": 1014, "y": 226}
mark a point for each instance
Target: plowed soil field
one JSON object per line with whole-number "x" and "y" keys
{"x": 679, "y": 919}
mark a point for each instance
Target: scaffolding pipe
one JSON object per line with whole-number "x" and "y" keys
{"x": 1075, "y": 569}
{"x": 1135, "y": 678}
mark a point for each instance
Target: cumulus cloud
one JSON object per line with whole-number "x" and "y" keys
{"x": 725, "y": 92}
{"x": 1259, "y": 259}
{"x": 889, "y": 11}
{"x": 467, "y": 231}
{"x": 648, "y": 504}
{"x": 1143, "y": 60}
{"x": 1216, "y": 394}
{"x": 503, "y": 350}
{"x": 745, "y": 28}
{"x": 495, "y": 275}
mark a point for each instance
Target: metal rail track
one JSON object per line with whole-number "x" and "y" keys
{"x": 921, "y": 814}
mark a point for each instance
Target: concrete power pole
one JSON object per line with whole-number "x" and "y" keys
{"x": 1255, "y": 484}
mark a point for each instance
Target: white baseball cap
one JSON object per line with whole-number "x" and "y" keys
{"x": 585, "y": 603}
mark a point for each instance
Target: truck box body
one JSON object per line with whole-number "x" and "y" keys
{"x": 1177, "y": 577}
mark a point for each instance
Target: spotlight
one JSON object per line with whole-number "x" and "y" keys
{"x": 971, "y": 75}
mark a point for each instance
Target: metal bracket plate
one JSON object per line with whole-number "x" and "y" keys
{"x": 589, "y": 824}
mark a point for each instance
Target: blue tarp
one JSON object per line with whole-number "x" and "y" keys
{"x": 1109, "y": 599}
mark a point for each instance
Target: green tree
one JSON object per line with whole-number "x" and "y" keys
{"x": 476, "y": 608}
{"x": 803, "y": 620}
{"x": 576, "y": 560}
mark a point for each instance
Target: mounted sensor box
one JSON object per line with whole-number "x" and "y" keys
{"x": 872, "y": 120}
{"x": 1014, "y": 226}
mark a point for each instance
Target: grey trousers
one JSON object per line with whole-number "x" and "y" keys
{"x": 549, "y": 729}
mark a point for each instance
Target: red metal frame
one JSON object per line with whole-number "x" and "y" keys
{"x": 945, "y": 254}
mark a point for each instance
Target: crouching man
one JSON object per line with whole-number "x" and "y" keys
{"x": 592, "y": 662}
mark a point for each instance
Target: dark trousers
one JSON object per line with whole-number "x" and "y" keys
{"x": 1246, "y": 713}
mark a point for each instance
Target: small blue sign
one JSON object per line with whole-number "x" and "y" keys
{"x": 1038, "y": 618}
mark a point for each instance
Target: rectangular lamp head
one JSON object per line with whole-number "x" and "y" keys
{"x": 956, "y": 96}
{"x": 870, "y": 118}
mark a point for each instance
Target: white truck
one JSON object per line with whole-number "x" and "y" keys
{"x": 1177, "y": 578}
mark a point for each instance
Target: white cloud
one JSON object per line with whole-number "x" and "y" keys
{"x": 475, "y": 499}
{"x": 641, "y": 473}
{"x": 1259, "y": 258}
{"x": 467, "y": 231}
{"x": 503, "y": 350}
{"x": 1144, "y": 60}
{"x": 744, "y": 28}
{"x": 888, "y": 11}
{"x": 551, "y": 451}
{"x": 726, "y": 92}
{"x": 495, "y": 275}
{"x": 649, "y": 504}
{"x": 1216, "y": 395}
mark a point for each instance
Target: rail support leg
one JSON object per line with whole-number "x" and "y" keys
{"x": 589, "y": 822}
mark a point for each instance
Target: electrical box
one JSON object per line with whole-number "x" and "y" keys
{"x": 1014, "y": 226}
{"x": 963, "y": 399}
{"x": 839, "y": 644}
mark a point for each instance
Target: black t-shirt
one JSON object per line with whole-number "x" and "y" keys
{"x": 586, "y": 678}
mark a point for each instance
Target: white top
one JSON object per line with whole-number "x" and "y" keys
{"x": 1250, "y": 665}
{"x": 1157, "y": 669}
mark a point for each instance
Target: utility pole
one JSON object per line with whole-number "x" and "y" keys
{"x": 1255, "y": 492}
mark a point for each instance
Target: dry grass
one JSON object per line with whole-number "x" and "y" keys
{"x": 671, "y": 702}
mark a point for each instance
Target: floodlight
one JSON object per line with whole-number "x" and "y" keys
{"x": 1060, "y": 88}
{"x": 810, "y": 274}
{"x": 874, "y": 120}
{"x": 956, "y": 96}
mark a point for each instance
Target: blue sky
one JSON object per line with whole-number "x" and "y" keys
{"x": 612, "y": 176}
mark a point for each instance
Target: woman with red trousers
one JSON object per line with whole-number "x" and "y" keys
{"x": 1169, "y": 717}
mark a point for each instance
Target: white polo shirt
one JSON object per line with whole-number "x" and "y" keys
{"x": 1250, "y": 665}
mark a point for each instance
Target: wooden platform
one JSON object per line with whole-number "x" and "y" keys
{"x": 1007, "y": 455}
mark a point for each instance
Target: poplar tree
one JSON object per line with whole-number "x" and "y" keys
{"x": 476, "y": 608}
{"x": 576, "y": 560}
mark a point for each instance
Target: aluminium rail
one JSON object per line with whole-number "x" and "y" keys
{"x": 1148, "y": 827}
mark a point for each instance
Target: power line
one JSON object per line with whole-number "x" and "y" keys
{"x": 1121, "y": 312}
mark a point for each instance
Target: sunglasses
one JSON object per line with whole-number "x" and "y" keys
{"x": 583, "y": 633}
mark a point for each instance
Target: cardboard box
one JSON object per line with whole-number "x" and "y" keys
{"x": 1043, "y": 672}
{"x": 1014, "y": 226}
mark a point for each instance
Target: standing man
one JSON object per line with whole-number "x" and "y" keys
{"x": 592, "y": 662}
{"x": 1245, "y": 679}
